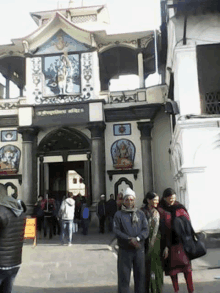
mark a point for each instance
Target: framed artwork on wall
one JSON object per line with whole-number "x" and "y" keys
{"x": 9, "y": 135}
{"x": 123, "y": 154}
{"x": 122, "y": 129}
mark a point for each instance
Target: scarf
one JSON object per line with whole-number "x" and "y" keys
{"x": 12, "y": 204}
{"x": 134, "y": 217}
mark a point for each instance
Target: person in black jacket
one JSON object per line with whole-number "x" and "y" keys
{"x": 12, "y": 223}
{"x": 131, "y": 229}
{"x": 111, "y": 209}
{"x": 101, "y": 213}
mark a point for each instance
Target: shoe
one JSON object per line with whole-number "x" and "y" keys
{"x": 69, "y": 244}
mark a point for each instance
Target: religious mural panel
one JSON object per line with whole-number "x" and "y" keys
{"x": 122, "y": 129}
{"x": 9, "y": 135}
{"x": 123, "y": 154}
{"x": 61, "y": 42}
{"x": 9, "y": 159}
{"x": 62, "y": 74}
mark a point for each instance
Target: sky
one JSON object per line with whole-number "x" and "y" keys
{"x": 125, "y": 15}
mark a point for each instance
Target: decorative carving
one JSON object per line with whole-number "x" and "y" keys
{"x": 62, "y": 140}
{"x": 123, "y": 98}
{"x": 36, "y": 77}
{"x": 9, "y": 159}
{"x": 145, "y": 41}
{"x": 132, "y": 42}
{"x": 123, "y": 153}
{"x": 60, "y": 99}
{"x": 87, "y": 87}
{"x": 9, "y": 106}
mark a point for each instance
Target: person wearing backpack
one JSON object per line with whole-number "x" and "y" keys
{"x": 84, "y": 216}
{"x": 66, "y": 214}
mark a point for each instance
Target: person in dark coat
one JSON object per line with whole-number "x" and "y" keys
{"x": 111, "y": 209}
{"x": 85, "y": 215}
{"x": 12, "y": 223}
{"x": 175, "y": 259}
{"x": 131, "y": 229}
{"x": 39, "y": 214}
{"x": 101, "y": 213}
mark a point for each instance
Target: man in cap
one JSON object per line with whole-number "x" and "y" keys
{"x": 12, "y": 223}
{"x": 131, "y": 229}
{"x": 101, "y": 213}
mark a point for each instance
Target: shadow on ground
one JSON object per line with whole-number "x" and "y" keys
{"x": 102, "y": 289}
{"x": 92, "y": 238}
{"x": 211, "y": 287}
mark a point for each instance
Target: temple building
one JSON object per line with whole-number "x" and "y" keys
{"x": 66, "y": 118}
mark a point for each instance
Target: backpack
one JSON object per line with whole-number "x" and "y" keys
{"x": 85, "y": 213}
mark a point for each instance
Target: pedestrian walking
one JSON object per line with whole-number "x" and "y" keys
{"x": 111, "y": 209}
{"x": 175, "y": 259}
{"x": 101, "y": 213}
{"x": 131, "y": 229}
{"x": 12, "y": 223}
{"x": 153, "y": 262}
{"x": 39, "y": 214}
{"x": 66, "y": 214}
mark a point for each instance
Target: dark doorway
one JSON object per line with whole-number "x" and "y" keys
{"x": 58, "y": 176}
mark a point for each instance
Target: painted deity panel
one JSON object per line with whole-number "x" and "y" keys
{"x": 62, "y": 74}
{"x": 123, "y": 154}
{"x": 9, "y": 159}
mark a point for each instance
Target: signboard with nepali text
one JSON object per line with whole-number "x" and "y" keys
{"x": 61, "y": 114}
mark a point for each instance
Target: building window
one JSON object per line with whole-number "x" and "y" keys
{"x": 208, "y": 65}
{"x": 74, "y": 180}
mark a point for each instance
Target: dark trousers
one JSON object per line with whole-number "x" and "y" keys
{"x": 85, "y": 226}
{"x": 48, "y": 223}
{"x": 110, "y": 223}
{"x": 102, "y": 224}
{"x": 7, "y": 278}
{"x": 127, "y": 259}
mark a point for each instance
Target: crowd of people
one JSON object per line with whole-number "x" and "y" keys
{"x": 151, "y": 240}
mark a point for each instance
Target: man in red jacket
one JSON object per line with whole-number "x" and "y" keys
{"x": 12, "y": 223}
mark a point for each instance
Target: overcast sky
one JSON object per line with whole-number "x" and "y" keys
{"x": 125, "y": 15}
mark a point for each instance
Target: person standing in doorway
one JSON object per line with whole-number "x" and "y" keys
{"x": 12, "y": 223}
{"x": 111, "y": 209}
{"x": 131, "y": 229}
{"x": 66, "y": 214}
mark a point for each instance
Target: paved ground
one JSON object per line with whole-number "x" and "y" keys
{"x": 90, "y": 266}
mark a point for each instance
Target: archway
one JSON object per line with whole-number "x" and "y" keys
{"x": 74, "y": 147}
{"x": 119, "y": 182}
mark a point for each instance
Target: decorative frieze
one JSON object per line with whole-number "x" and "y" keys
{"x": 87, "y": 76}
{"x": 123, "y": 98}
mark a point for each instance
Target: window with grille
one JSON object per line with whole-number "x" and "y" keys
{"x": 84, "y": 18}
{"x": 208, "y": 65}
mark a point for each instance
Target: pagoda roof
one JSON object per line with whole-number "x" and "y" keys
{"x": 84, "y": 10}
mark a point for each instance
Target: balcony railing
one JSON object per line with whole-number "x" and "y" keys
{"x": 212, "y": 103}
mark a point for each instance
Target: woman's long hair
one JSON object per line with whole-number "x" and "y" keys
{"x": 150, "y": 195}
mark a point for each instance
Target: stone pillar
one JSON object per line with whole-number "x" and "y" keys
{"x": 41, "y": 175}
{"x": 29, "y": 174}
{"x": 141, "y": 70}
{"x": 145, "y": 129}
{"x": 7, "y": 88}
{"x": 97, "y": 165}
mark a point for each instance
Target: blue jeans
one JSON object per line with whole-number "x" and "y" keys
{"x": 7, "y": 278}
{"x": 67, "y": 226}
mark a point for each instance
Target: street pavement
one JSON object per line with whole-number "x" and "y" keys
{"x": 90, "y": 266}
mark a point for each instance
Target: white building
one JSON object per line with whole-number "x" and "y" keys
{"x": 192, "y": 73}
